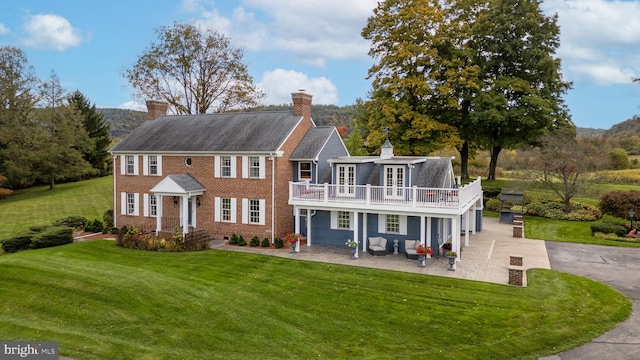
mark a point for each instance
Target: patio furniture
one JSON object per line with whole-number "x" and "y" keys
{"x": 377, "y": 246}
{"x": 410, "y": 249}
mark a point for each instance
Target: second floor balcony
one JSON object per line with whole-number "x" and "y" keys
{"x": 304, "y": 193}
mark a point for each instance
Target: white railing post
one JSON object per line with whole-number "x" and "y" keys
{"x": 326, "y": 192}
{"x": 414, "y": 192}
{"x": 368, "y": 194}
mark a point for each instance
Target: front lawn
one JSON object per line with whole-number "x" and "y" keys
{"x": 104, "y": 302}
{"x": 566, "y": 231}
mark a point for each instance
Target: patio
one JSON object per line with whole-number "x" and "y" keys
{"x": 485, "y": 259}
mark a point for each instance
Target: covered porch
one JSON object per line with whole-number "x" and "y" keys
{"x": 184, "y": 191}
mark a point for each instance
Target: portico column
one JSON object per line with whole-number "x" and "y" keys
{"x": 159, "y": 210}
{"x": 184, "y": 202}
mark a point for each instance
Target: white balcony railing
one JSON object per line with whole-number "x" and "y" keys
{"x": 381, "y": 195}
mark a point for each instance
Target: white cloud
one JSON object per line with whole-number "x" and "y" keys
{"x": 133, "y": 105}
{"x": 279, "y": 84}
{"x": 599, "y": 41}
{"x": 50, "y": 32}
{"x": 3, "y": 29}
{"x": 313, "y": 31}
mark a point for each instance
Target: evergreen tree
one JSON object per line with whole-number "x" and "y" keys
{"x": 97, "y": 129}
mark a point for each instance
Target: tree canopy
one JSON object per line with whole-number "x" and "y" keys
{"x": 195, "y": 70}
{"x": 475, "y": 74}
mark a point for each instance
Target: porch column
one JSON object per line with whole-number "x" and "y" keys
{"x": 467, "y": 228}
{"x": 159, "y": 210}
{"x": 429, "y": 239}
{"x": 308, "y": 227}
{"x": 422, "y": 232}
{"x": 356, "y": 232}
{"x": 194, "y": 211}
{"x": 184, "y": 203}
{"x": 473, "y": 217}
{"x": 455, "y": 235}
{"x": 364, "y": 231}
{"x": 296, "y": 221}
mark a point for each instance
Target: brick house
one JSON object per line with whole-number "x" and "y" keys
{"x": 221, "y": 173}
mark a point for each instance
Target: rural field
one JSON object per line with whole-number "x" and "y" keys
{"x": 104, "y": 302}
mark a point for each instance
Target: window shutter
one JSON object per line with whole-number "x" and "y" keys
{"x": 382, "y": 223}
{"x": 245, "y": 167}
{"x": 136, "y": 204}
{"x": 216, "y": 166}
{"x": 135, "y": 165}
{"x": 145, "y": 165}
{"x": 145, "y": 198}
{"x": 159, "y": 165}
{"x": 123, "y": 203}
{"x": 217, "y": 208}
{"x": 123, "y": 164}
{"x": 262, "y": 167}
{"x": 263, "y": 210}
{"x": 233, "y": 167}
{"x": 334, "y": 219}
{"x": 233, "y": 210}
{"x": 245, "y": 211}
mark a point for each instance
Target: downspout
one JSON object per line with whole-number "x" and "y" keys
{"x": 273, "y": 196}
{"x": 315, "y": 163}
{"x": 114, "y": 193}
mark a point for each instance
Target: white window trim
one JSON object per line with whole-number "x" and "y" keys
{"x": 146, "y": 199}
{"x": 217, "y": 169}
{"x": 334, "y": 221}
{"x": 145, "y": 165}
{"x": 300, "y": 178}
{"x": 382, "y": 224}
{"x": 217, "y": 211}
{"x": 246, "y": 210}
{"x": 123, "y": 165}
{"x": 124, "y": 204}
{"x": 245, "y": 167}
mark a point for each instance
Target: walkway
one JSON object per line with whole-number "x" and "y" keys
{"x": 485, "y": 259}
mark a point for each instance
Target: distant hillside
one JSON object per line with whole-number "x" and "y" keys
{"x": 625, "y": 129}
{"x": 590, "y": 132}
{"x": 123, "y": 121}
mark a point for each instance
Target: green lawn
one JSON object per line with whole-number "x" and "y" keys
{"x": 39, "y": 205}
{"x": 104, "y": 302}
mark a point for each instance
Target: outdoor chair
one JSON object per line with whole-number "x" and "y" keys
{"x": 410, "y": 249}
{"x": 377, "y": 246}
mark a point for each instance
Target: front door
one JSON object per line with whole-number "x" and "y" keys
{"x": 394, "y": 182}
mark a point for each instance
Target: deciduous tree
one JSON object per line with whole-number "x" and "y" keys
{"x": 195, "y": 70}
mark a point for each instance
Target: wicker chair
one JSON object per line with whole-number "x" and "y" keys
{"x": 377, "y": 246}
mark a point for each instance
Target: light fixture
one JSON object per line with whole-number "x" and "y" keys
{"x": 198, "y": 200}
{"x": 175, "y": 200}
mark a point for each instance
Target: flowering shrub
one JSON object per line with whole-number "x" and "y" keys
{"x": 133, "y": 238}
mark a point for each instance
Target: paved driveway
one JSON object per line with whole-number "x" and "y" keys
{"x": 617, "y": 267}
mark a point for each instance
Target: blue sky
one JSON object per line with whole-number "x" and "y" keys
{"x": 312, "y": 44}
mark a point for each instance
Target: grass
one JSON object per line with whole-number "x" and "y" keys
{"x": 104, "y": 302}
{"x": 38, "y": 205}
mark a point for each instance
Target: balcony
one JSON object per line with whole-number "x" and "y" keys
{"x": 454, "y": 200}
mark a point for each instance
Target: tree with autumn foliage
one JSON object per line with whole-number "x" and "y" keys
{"x": 474, "y": 74}
{"x": 4, "y": 192}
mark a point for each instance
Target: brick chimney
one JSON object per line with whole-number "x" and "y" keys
{"x": 156, "y": 109}
{"x": 301, "y": 103}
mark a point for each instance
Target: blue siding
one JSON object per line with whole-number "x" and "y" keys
{"x": 333, "y": 148}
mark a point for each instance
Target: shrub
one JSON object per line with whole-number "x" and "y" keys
{"x": 94, "y": 226}
{"x": 278, "y": 243}
{"x": 618, "y": 203}
{"x": 608, "y": 228}
{"x": 241, "y": 241}
{"x": 38, "y": 228}
{"x": 265, "y": 242}
{"x": 493, "y": 205}
{"x": 71, "y": 221}
{"x": 491, "y": 192}
{"x": 107, "y": 219}
{"x": 19, "y": 242}
{"x": 52, "y": 236}
{"x": 234, "y": 239}
{"x": 255, "y": 241}
{"x": 554, "y": 209}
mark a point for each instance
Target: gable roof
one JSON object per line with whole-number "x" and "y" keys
{"x": 179, "y": 184}
{"x": 312, "y": 143}
{"x": 226, "y": 132}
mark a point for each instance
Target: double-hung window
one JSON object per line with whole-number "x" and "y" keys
{"x": 225, "y": 166}
{"x": 225, "y": 210}
{"x": 130, "y": 161}
{"x": 131, "y": 204}
{"x": 253, "y": 211}
{"x": 254, "y": 166}
{"x": 153, "y": 165}
{"x": 153, "y": 205}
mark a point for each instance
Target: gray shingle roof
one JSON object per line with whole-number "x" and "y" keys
{"x": 187, "y": 182}
{"x": 433, "y": 172}
{"x": 312, "y": 143}
{"x": 233, "y": 132}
